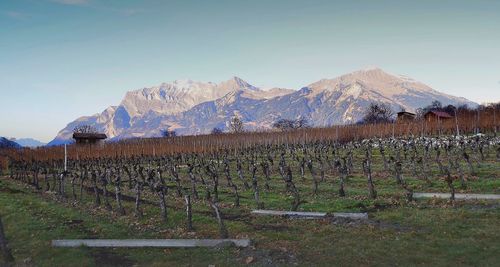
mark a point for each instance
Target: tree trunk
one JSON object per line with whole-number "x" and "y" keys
{"x": 265, "y": 170}
{"x": 47, "y": 182}
{"x": 189, "y": 214}
{"x": 222, "y": 228}
{"x": 96, "y": 190}
{"x": 73, "y": 191}
{"x": 138, "y": 188}
{"x": 163, "y": 205}
{"x": 118, "y": 195}
{"x": 293, "y": 189}
{"x": 384, "y": 158}
{"x": 236, "y": 196}
{"x": 469, "y": 163}
{"x": 192, "y": 178}
{"x": 313, "y": 175}
{"x": 240, "y": 175}
{"x": 368, "y": 172}
{"x": 449, "y": 181}
{"x": 178, "y": 186}
{"x": 105, "y": 194}
{"x": 4, "y": 248}
{"x": 256, "y": 187}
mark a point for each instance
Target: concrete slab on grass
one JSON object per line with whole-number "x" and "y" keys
{"x": 140, "y": 243}
{"x": 300, "y": 214}
{"x": 457, "y": 196}
{"x": 311, "y": 215}
{"x": 352, "y": 215}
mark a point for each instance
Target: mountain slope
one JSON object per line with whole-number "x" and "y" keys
{"x": 178, "y": 96}
{"x": 103, "y": 122}
{"x": 138, "y": 113}
{"x": 29, "y": 142}
{"x": 343, "y": 99}
{"x": 6, "y": 143}
{"x": 190, "y": 107}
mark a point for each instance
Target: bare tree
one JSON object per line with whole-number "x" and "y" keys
{"x": 84, "y": 128}
{"x": 222, "y": 228}
{"x": 168, "y": 133}
{"x": 287, "y": 124}
{"x": 189, "y": 213}
{"x": 236, "y": 125}
{"x": 216, "y": 130}
{"x": 283, "y": 124}
{"x": 436, "y": 104}
{"x": 377, "y": 113}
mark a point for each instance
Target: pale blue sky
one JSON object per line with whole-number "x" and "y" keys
{"x": 61, "y": 59}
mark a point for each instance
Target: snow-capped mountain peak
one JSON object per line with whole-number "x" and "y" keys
{"x": 236, "y": 84}
{"x": 192, "y": 107}
{"x": 178, "y": 96}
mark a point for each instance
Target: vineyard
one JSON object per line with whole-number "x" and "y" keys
{"x": 207, "y": 186}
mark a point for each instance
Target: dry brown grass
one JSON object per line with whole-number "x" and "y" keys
{"x": 468, "y": 122}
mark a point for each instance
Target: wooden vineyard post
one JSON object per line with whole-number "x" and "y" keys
{"x": 439, "y": 126}
{"x": 495, "y": 119}
{"x": 65, "y": 158}
{"x": 478, "y": 122}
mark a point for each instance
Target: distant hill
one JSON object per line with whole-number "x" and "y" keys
{"x": 190, "y": 107}
{"x": 29, "y": 142}
{"x": 6, "y": 143}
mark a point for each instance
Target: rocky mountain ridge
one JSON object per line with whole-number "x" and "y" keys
{"x": 190, "y": 107}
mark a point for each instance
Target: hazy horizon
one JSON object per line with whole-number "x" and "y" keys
{"x": 62, "y": 59}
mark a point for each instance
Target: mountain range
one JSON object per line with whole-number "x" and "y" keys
{"x": 190, "y": 107}
{"x": 20, "y": 142}
{"x": 6, "y": 143}
{"x": 28, "y": 142}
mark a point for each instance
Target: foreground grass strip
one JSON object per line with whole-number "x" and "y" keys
{"x": 141, "y": 243}
{"x": 457, "y": 196}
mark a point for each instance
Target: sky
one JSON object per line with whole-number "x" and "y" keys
{"x": 62, "y": 59}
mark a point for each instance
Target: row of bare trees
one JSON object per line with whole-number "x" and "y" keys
{"x": 204, "y": 176}
{"x": 125, "y": 185}
{"x": 467, "y": 123}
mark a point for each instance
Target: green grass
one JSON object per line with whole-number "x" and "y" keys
{"x": 32, "y": 221}
{"x": 423, "y": 233}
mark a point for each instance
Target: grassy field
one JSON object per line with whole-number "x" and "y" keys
{"x": 425, "y": 232}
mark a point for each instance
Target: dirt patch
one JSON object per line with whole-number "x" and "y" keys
{"x": 391, "y": 226}
{"x": 381, "y": 225}
{"x": 382, "y": 175}
{"x": 243, "y": 217}
{"x": 267, "y": 257}
{"x": 359, "y": 206}
{"x": 90, "y": 191}
{"x": 270, "y": 227}
{"x": 379, "y": 207}
{"x": 236, "y": 217}
{"x": 73, "y": 222}
{"x": 343, "y": 221}
{"x": 9, "y": 190}
{"x": 106, "y": 257}
{"x": 492, "y": 206}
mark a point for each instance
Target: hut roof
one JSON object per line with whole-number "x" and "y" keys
{"x": 440, "y": 114}
{"x": 405, "y": 113}
{"x": 89, "y": 136}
